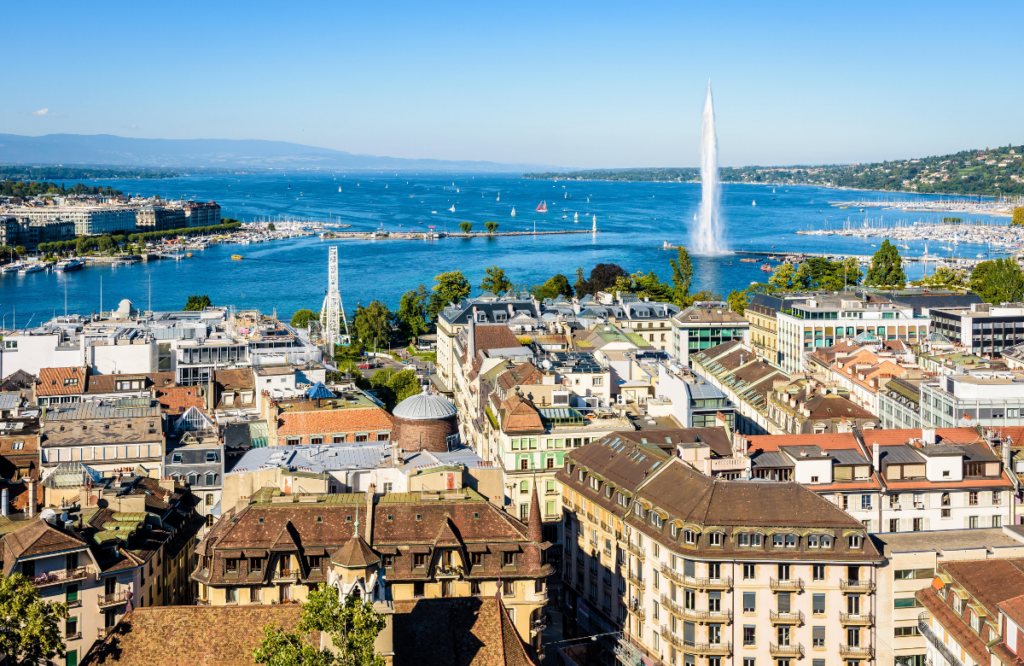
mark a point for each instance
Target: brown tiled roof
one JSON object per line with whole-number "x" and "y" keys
{"x": 520, "y": 416}
{"x": 333, "y": 420}
{"x": 38, "y": 537}
{"x": 943, "y": 614}
{"x": 716, "y": 438}
{"x": 108, "y": 383}
{"x": 520, "y": 375}
{"x": 178, "y": 399}
{"x": 991, "y": 582}
{"x": 233, "y": 380}
{"x": 1014, "y": 609}
{"x": 473, "y": 631}
{"x": 54, "y": 381}
{"x": 828, "y": 441}
{"x": 355, "y": 554}
{"x": 833, "y": 406}
{"x": 192, "y": 635}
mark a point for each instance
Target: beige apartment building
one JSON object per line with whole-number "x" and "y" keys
{"x": 699, "y": 571}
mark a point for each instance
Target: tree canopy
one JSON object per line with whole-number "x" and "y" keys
{"x": 944, "y": 278}
{"x": 682, "y": 277}
{"x": 886, "y": 268}
{"x": 1018, "y": 217}
{"x": 352, "y": 624}
{"x": 196, "y": 302}
{"x": 739, "y": 300}
{"x": 491, "y": 227}
{"x": 466, "y": 227}
{"x": 31, "y": 634}
{"x": 999, "y": 281}
{"x": 373, "y": 324}
{"x": 393, "y": 386}
{"x": 450, "y": 287}
{"x": 555, "y": 286}
{"x": 302, "y": 317}
{"x": 495, "y": 281}
{"x": 412, "y": 313}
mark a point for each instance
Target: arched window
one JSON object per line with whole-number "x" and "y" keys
{"x": 945, "y": 499}
{"x": 524, "y": 487}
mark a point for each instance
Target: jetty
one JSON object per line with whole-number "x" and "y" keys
{"x": 423, "y": 235}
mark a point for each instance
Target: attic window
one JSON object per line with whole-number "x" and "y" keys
{"x": 319, "y": 519}
{"x": 176, "y": 458}
{"x": 476, "y": 515}
{"x": 390, "y": 517}
{"x": 259, "y": 520}
{"x": 348, "y": 519}
{"x": 419, "y": 516}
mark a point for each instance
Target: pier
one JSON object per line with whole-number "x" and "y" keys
{"x": 423, "y": 235}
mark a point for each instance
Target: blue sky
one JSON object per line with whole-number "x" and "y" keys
{"x": 587, "y": 84}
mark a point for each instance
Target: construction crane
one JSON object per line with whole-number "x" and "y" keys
{"x": 332, "y": 314}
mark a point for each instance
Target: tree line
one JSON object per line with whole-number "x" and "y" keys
{"x": 31, "y": 188}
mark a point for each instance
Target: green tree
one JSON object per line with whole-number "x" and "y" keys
{"x": 739, "y": 300}
{"x": 886, "y": 268}
{"x": 623, "y": 285}
{"x": 944, "y": 278}
{"x": 31, "y": 634}
{"x": 491, "y": 227}
{"x": 373, "y": 324}
{"x": 650, "y": 286}
{"x": 581, "y": 285}
{"x": 999, "y": 281}
{"x": 352, "y": 625}
{"x": 20, "y": 250}
{"x": 451, "y": 287}
{"x": 495, "y": 281}
{"x": 819, "y": 273}
{"x": 196, "y": 302}
{"x": 782, "y": 277}
{"x": 682, "y": 277}
{"x": 604, "y": 277}
{"x": 302, "y": 317}
{"x": 556, "y": 285}
{"x": 1018, "y": 217}
{"x": 412, "y": 313}
{"x": 466, "y": 227}
{"x": 393, "y": 386}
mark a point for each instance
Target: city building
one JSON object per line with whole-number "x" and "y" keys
{"x": 688, "y": 569}
{"x": 87, "y": 220}
{"x": 690, "y": 399}
{"x": 746, "y": 380}
{"x": 124, "y": 436}
{"x": 993, "y": 328}
{"x": 198, "y": 462}
{"x": 761, "y": 312}
{"x": 320, "y": 415}
{"x": 804, "y": 405}
{"x": 899, "y": 404}
{"x": 983, "y": 397}
{"x": 201, "y": 213}
{"x": 160, "y": 218}
{"x": 703, "y": 325}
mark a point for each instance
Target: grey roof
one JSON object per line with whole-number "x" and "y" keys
{"x": 10, "y": 400}
{"x": 103, "y": 410}
{"x": 71, "y": 475}
{"x": 704, "y": 391}
{"x": 570, "y": 362}
{"x": 769, "y": 459}
{"x": 899, "y": 455}
{"x": 462, "y": 313}
{"x": 317, "y": 459}
{"x": 939, "y": 540}
{"x": 424, "y": 407}
{"x": 847, "y": 456}
{"x": 422, "y": 461}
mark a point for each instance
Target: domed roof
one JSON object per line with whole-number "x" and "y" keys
{"x": 424, "y": 407}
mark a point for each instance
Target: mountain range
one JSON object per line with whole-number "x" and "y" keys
{"x": 111, "y": 150}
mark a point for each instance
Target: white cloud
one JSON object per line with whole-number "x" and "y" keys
{"x": 43, "y": 112}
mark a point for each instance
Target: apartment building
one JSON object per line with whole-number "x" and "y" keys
{"x": 982, "y": 329}
{"x": 899, "y": 404}
{"x": 320, "y": 415}
{"x": 394, "y": 547}
{"x": 745, "y": 379}
{"x": 823, "y": 319}
{"x": 87, "y": 220}
{"x": 693, "y": 570}
{"x": 804, "y": 405}
{"x": 703, "y": 325}
{"x": 912, "y": 559}
{"x": 109, "y": 438}
{"x": 160, "y": 218}
{"x": 989, "y": 398}
{"x": 761, "y": 312}
{"x": 972, "y": 613}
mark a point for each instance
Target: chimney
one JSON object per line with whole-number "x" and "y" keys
{"x": 3, "y": 502}
{"x": 31, "y": 499}
{"x": 928, "y": 435}
{"x": 720, "y": 421}
{"x": 369, "y": 515}
{"x": 471, "y": 353}
{"x": 876, "y": 457}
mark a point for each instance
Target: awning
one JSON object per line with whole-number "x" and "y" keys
{"x": 255, "y": 553}
{"x": 476, "y": 547}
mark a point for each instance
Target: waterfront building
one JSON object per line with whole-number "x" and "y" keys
{"x": 30, "y": 233}
{"x": 823, "y": 319}
{"x": 684, "y": 567}
{"x": 703, "y": 325}
{"x": 980, "y": 398}
{"x": 160, "y": 218}
{"x": 395, "y": 548}
{"x": 122, "y": 436}
{"x": 88, "y": 220}
{"x": 745, "y": 379}
{"x": 982, "y": 329}
{"x": 201, "y": 213}
{"x": 972, "y": 613}
{"x": 912, "y": 560}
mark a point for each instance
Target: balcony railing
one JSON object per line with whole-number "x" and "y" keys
{"x": 791, "y": 585}
{"x": 786, "y": 618}
{"x": 856, "y": 651}
{"x": 102, "y": 632}
{"x": 74, "y": 637}
{"x": 635, "y": 578}
{"x": 537, "y": 626}
{"x": 710, "y": 649}
{"x": 722, "y": 616}
{"x": 857, "y": 619}
{"x": 636, "y": 550}
{"x": 637, "y": 610}
{"x": 666, "y": 634}
{"x": 60, "y": 576}
{"x": 796, "y": 651}
{"x": 674, "y": 576}
{"x": 856, "y": 586}
{"x": 720, "y": 583}
{"x": 286, "y": 574}
{"x": 112, "y": 599}
{"x": 925, "y": 628}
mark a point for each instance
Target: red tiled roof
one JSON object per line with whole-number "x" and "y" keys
{"x": 903, "y": 436}
{"x": 844, "y": 440}
{"x": 178, "y": 399}
{"x": 337, "y": 420}
{"x": 61, "y": 381}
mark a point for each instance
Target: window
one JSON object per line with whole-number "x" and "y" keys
{"x": 508, "y": 588}
{"x": 865, "y": 502}
{"x": 972, "y": 499}
{"x": 906, "y": 602}
{"x": 417, "y": 589}
{"x": 818, "y": 637}
{"x": 818, "y": 572}
{"x": 907, "y": 631}
{"x": 749, "y": 602}
{"x": 255, "y": 564}
{"x": 853, "y": 542}
{"x": 230, "y": 565}
{"x": 749, "y": 571}
{"x": 255, "y": 595}
{"x": 818, "y": 603}
{"x": 508, "y": 559}
{"x": 749, "y": 638}
{"x": 715, "y": 539}
{"x": 420, "y": 560}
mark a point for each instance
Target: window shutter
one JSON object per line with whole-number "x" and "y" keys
{"x": 966, "y": 522}
{"x": 819, "y": 634}
{"x": 927, "y": 524}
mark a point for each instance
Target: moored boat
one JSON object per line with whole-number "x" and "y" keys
{"x": 69, "y": 265}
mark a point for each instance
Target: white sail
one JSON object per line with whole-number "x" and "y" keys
{"x": 513, "y": 212}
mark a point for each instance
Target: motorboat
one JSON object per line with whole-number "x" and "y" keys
{"x": 69, "y": 265}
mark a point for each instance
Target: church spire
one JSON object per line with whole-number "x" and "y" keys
{"x": 535, "y": 530}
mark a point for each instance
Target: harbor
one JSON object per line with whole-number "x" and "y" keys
{"x": 1001, "y": 207}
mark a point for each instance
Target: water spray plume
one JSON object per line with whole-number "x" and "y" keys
{"x": 707, "y": 237}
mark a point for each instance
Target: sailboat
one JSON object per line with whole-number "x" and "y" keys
{"x": 566, "y": 196}
{"x": 513, "y": 212}
{"x": 452, "y": 209}
{"x": 754, "y": 203}
{"x": 773, "y": 190}
{"x": 543, "y": 207}
{"x": 339, "y": 189}
{"x": 499, "y": 198}
{"x": 576, "y": 218}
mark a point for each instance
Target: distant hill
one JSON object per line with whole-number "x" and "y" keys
{"x": 992, "y": 172}
{"x": 110, "y": 150}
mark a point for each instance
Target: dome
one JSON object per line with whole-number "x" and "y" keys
{"x": 424, "y": 407}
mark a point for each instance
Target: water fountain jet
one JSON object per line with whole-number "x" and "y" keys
{"x": 707, "y": 236}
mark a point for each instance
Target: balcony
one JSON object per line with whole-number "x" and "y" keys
{"x": 675, "y": 576}
{"x": 791, "y": 585}
{"x": 537, "y": 626}
{"x": 720, "y": 583}
{"x": 786, "y": 618}
{"x": 637, "y": 610}
{"x": 61, "y": 576}
{"x": 723, "y": 616}
{"x": 666, "y": 634}
{"x": 286, "y": 575}
{"x": 442, "y": 571}
{"x": 794, "y": 651}
{"x": 924, "y": 626}
{"x": 857, "y": 619}
{"x": 710, "y": 649}
{"x": 636, "y": 550}
{"x": 856, "y": 652}
{"x": 856, "y": 586}
{"x": 112, "y": 599}
{"x": 636, "y": 580}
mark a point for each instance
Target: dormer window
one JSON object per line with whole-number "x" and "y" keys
{"x": 638, "y": 509}
{"x": 608, "y": 491}
{"x": 854, "y": 541}
{"x": 673, "y": 529}
{"x": 176, "y": 458}
{"x": 581, "y": 475}
{"x": 690, "y": 537}
{"x": 594, "y": 483}
{"x": 655, "y": 520}
{"x": 715, "y": 539}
